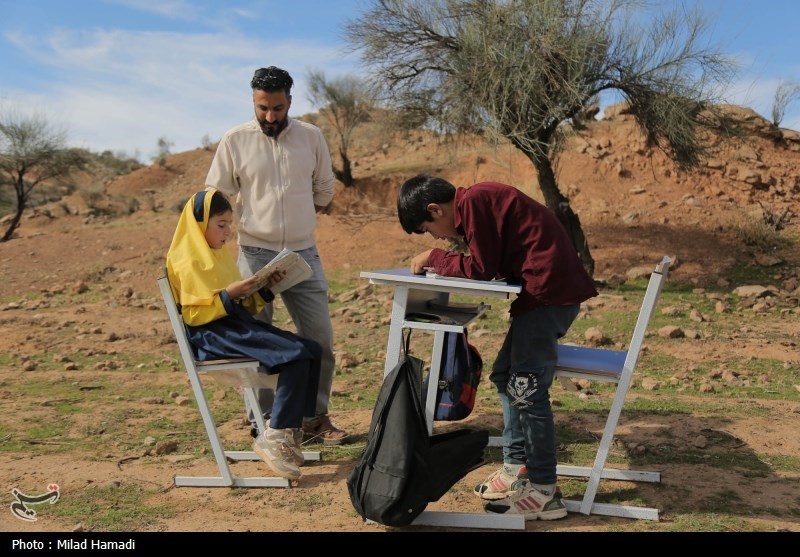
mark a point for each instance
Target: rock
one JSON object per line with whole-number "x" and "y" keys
{"x": 696, "y": 316}
{"x": 768, "y": 260}
{"x": 166, "y": 447}
{"x": 595, "y": 336}
{"x": 751, "y": 291}
{"x": 671, "y": 331}
{"x": 650, "y": 384}
{"x": 642, "y": 271}
{"x": 700, "y": 442}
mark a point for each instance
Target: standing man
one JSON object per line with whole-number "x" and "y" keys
{"x": 280, "y": 172}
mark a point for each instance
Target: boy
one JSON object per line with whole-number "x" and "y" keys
{"x": 512, "y": 236}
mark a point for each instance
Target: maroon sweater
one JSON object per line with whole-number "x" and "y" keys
{"x": 512, "y": 236}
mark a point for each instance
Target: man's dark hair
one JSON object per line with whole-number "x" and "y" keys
{"x": 272, "y": 79}
{"x": 415, "y": 195}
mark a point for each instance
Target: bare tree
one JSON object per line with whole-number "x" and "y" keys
{"x": 521, "y": 69}
{"x": 163, "y": 150}
{"x": 346, "y": 102}
{"x": 785, "y": 95}
{"x": 32, "y": 152}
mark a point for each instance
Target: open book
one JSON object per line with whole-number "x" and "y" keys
{"x": 297, "y": 270}
{"x": 433, "y": 275}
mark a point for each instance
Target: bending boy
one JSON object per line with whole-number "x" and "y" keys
{"x": 510, "y": 235}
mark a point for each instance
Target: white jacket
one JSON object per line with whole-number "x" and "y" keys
{"x": 276, "y": 182}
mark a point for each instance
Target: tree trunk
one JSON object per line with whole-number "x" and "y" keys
{"x": 19, "y": 188}
{"x": 11, "y": 227}
{"x": 559, "y": 204}
{"x": 347, "y": 172}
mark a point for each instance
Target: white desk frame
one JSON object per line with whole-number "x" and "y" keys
{"x": 412, "y": 293}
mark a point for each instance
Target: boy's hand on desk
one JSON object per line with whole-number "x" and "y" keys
{"x": 419, "y": 262}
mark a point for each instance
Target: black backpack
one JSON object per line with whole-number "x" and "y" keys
{"x": 402, "y": 469}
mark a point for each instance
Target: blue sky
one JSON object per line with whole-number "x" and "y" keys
{"x": 120, "y": 74}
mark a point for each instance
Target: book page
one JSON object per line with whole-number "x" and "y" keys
{"x": 433, "y": 275}
{"x": 297, "y": 270}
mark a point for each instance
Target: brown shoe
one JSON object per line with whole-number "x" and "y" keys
{"x": 322, "y": 429}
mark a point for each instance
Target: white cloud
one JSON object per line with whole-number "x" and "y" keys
{"x": 122, "y": 90}
{"x": 172, "y": 9}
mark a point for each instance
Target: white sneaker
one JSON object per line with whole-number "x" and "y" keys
{"x": 531, "y": 503}
{"x": 294, "y": 436}
{"x": 499, "y": 485}
{"x": 274, "y": 448}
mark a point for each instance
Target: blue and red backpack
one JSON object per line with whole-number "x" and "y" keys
{"x": 459, "y": 376}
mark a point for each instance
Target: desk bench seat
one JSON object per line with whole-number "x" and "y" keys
{"x": 601, "y": 362}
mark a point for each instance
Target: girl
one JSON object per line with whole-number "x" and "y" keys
{"x": 218, "y": 313}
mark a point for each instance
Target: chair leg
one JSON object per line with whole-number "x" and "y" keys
{"x": 211, "y": 430}
{"x": 226, "y": 478}
{"x": 252, "y": 406}
{"x": 605, "y": 444}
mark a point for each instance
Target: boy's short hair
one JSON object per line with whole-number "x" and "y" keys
{"x": 414, "y": 197}
{"x": 272, "y": 79}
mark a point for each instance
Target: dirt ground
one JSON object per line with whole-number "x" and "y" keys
{"x": 633, "y": 206}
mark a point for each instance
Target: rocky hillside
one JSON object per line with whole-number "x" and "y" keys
{"x": 633, "y": 204}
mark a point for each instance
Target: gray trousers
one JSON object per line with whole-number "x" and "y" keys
{"x": 307, "y": 304}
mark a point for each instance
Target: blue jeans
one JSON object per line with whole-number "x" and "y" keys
{"x": 292, "y": 396}
{"x": 523, "y": 373}
{"x": 307, "y": 304}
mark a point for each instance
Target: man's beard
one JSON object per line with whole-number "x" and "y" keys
{"x": 272, "y": 130}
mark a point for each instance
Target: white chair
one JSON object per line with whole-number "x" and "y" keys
{"x": 242, "y": 371}
{"x": 612, "y": 366}
{"x": 615, "y": 366}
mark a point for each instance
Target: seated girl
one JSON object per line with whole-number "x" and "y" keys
{"x": 218, "y": 307}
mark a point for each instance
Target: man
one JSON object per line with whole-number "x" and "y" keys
{"x": 510, "y": 235}
{"x": 279, "y": 169}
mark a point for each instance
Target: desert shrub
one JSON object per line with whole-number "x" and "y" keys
{"x": 760, "y": 232}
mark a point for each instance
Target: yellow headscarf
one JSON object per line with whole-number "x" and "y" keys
{"x": 196, "y": 271}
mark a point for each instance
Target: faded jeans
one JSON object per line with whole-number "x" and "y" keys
{"x": 307, "y": 304}
{"x": 523, "y": 373}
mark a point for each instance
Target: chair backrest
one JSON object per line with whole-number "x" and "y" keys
{"x": 176, "y": 320}
{"x": 651, "y": 296}
{"x": 603, "y": 364}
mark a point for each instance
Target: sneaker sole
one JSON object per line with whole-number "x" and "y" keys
{"x": 263, "y": 455}
{"x": 333, "y": 442}
{"x": 325, "y": 442}
{"x": 493, "y": 496}
{"x": 547, "y": 515}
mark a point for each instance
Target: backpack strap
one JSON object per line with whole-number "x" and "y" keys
{"x": 406, "y": 345}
